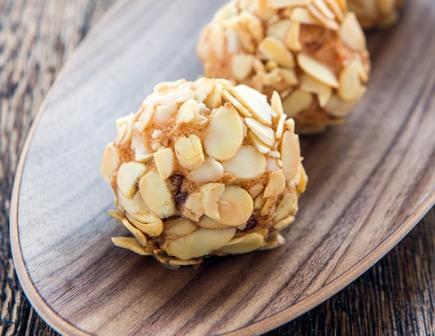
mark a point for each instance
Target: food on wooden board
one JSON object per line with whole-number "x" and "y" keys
{"x": 204, "y": 168}
{"x": 312, "y": 52}
{"x": 376, "y": 13}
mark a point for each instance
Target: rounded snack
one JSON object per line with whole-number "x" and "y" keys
{"x": 204, "y": 168}
{"x": 312, "y": 52}
{"x": 376, "y": 13}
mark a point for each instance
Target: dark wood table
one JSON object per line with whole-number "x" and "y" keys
{"x": 395, "y": 297}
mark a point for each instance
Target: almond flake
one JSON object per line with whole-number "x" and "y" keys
{"x": 244, "y": 244}
{"x": 235, "y": 206}
{"x": 275, "y": 50}
{"x": 279, "y": 29}
{"x": 276, "y": 184}
{"x": 317, "y": 70}
{"x": 210, "y": 195}
{"x": 179, "y": 227}
{"x": 297, "y": 102}
{"x": 192, "y": 207}
{"x": 140, "y": 237}
{"x": 255, "y": 102}
{"x": 239, "y": 107}
{"x": 109, "y": 162}
{"x": 278, "y": 4}
{"x": 290, "y": 154}
{"x": 280, "y": 127}
{"x": 259, "y": 145}
{"x": 128, "y": 176}
{"x": 164, "y": 160}
{"x": 302, "y": 15}
{"x": 264, "y": 133}
{"x": 131, "y": 244}
{"x": 276, "y": 104}
{"x": 208, "y": 223}
{"x": 189, "y": 151}
{"x": 338, "y": 107}
{"x": 292, "y": 37}
{"x": 351, "y": 87}
{"x": 210, "y": 171}
{"x": 351, "y": 33}
{"x": 247, "y": 164}
{"x": 241, "y": 66}
{"x": 147, "y": 223}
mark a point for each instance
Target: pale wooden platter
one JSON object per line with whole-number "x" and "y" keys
{"x": 371, "y": 181}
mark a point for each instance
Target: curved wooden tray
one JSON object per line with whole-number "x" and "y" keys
{"x": 371, "y": 180}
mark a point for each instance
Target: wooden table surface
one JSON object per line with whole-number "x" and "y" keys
{"x": 395, "y": 297}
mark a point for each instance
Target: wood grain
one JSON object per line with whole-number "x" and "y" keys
{"x": 314, "y": 146}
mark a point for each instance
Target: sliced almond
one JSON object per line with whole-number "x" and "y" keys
{"x": 278, "y": 4}
{"x": 289, "y": 76}
{"x": 317, "y": 70}
{"x": 351, "y": 88}
{"x": 146, "y": 115}
{"x": 210, "y": 171}
{"x": 287, "y": 206}
{"x": 140, "y": 237}
{"x": 275, "y": 50}
{"x": 292, "y": 36}
{"x": 264, "y": 133}
{"x": 276, "y": 104}
{"x": 297, "y": 102}
{"x": 256, "y": 190}
{"x": 235, "y": 206}
{"x": 290, "y": 154}
{"x": 312, "y": 85}
{"x": 322, "y": 18}
{"x": 109, "y": 162}
{"x": 218, "y": 38}
{"x": 274, "y": 240}
{"x": 247, "y": 164}
{"x": 147, "y": 223}
{"x": 188, "y": 111}
{"x": 189, "y": 151}
{"x": 284, "y": 223}
{"x": 156, "y": 195}
{"x": 131, "y": 244}
{"x": 259, "y": 145}
{"x": 203, "y": 88}
{"x": 165, "y": 112}
{"x": 224, "y": 134}
{"x": 210, "y": 196}
{"x": 259, "y": 202}
{"x": 244, "y": 244}
{"x": 141, "y": 152}
{"x": 324, "y": 9}
{"x": 236, "y": 104}
{"x": 335, "y": 7}
{"x": 280, "y": 126}
{"x": 241, "y": 66}
{"x": 192, "y": 207}
{"x": 324, "y": 98}
{"x": 208, "y": 223}
{"x": 272, "y": 165}
{"x": 276, "y": 184}
{"x": 253, "y": 25}
{"x": 351, "y": 32}
{"x": 116, "y": 214}
{"x": 132, "y": 205}
{"x": 279, "y": 29}
{"x": 179, "y": 227}
{"x": 302, "y": 15}
{"x": 164, "y": 160}
{"x": 255, "y": 102}
{"x": 129, "y": 174}
{"x": 338, "y": 107}
{"x": 199, "y": 243}
{"x": 214, "y": 99}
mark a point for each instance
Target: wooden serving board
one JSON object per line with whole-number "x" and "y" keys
{"x": 371, "y": 180}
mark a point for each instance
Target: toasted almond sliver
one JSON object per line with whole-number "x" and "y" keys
{"x": 338, "y": 107}
{"x": 109, "y": 162}
{"x": 147, "y": 223}
{"x": 264, "y": 133}
{"x": 289, "y": 76}
{"x": 324, "y": 9}
{"x": 324, "y": 98}
{"x": 335, "y": 7}
{"x": 279, "y": 29}
{"x": 218, "y": 144}
{"x": 325, "y": 21}
{"x": 131, "y": 244}
{"x": 255, "y": 102}
{"x": 214, "y": 99}
{"x": 278, "y": 4}
{"x": 351, "y": 33}
{"x": 128, "y": 175}
{"x": 241, "y": 66}
{"x": 199, "y": 243}
{"x": 188, "y": 111}
{"x": 317, "y": 70}
{"x": 290, "y": 154}
{"x": 280, "y": 126}
{"x": 275, "y": 50}
{"x": 179, "y": 227}
{"x": 156, "y": 194}
{"x": 192, "y": 207}
{"x": 276, "y": 104}
{"x": 210, "y": 171}
{"x": 164, "y": 160}
{"x": 302, "y": 15}
{"x": 165, "y": 112}
{"x": 284, "y": 223}
{"x": 287, "y": 206}
{"x": 247, "y": 164}
{"x": 235, "y": 206}
{"x": 140, "y": 237}
{"x": 132, "y": 205}
{"x": 351, "y": 88}
{"x": 256, "y": 190}
{"x": 312, "y": 85}
{"x": 189, "y": 151}
{"x": 116, "y": 215}
{"x": 209, "y": 223}
{"x": 297, "y": 102}
{"x": 276, "y": 184}
{"x": 292, "y": 37}
{"x": 244, "y": 244}
{"x": 259, "y": 145}
{"x": 239, "y": 107}
{"x": 210, "y": 196}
